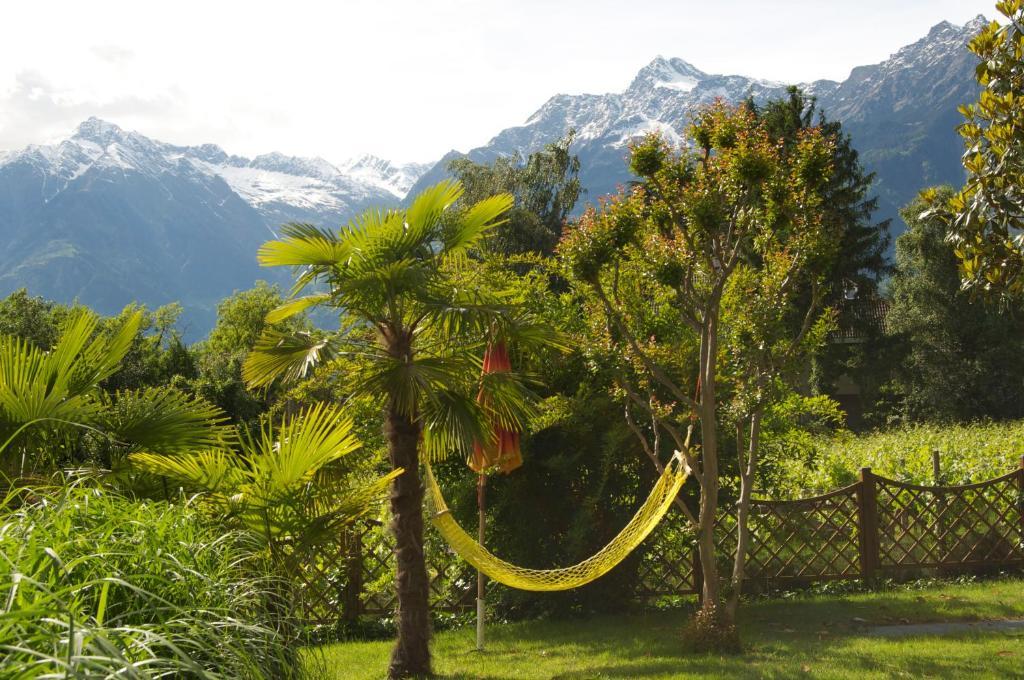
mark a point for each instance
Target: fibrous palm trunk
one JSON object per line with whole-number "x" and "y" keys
{"x": 411, "y": 655}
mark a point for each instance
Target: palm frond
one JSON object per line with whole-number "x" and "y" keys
{"x": 302, "y": 245}
{"x": 278, "y": 484}
{"x": 507, "y": 401}
{"x": 525, "y": 333}
{"x": 426, "y": 210}
{"x": 214, "y": 471}
{"x": 481, "y": 218}
{"x": 59, "y": 386}
{"x": 165, "y": 420}
{"x": 282, "y": 355}
{"x": 455, "y": 313}
{"x": 407, "y": 383}
{"x": 286, "y": 457}
{"x": 296, "y": 306}
{"x": 452, "y": 423}
{"x": 328, "y": 507}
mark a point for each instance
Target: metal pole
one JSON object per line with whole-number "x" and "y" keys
{"x": 481, "y": 488}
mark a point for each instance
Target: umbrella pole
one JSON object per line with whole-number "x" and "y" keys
{"x": 481, "y": 488}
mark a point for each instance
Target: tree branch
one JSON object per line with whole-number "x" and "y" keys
{"x": 652, "y": 454}
{"x": 656, "y": 371}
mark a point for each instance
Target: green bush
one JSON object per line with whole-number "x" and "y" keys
{"x": 968, "y": 453}
{"x": 93, "y": 584}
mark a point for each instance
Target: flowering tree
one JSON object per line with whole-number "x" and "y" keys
{"x": 694, "y": 276}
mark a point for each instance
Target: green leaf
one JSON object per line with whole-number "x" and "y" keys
{"x": 302, "y": 245}
{"x": 296, "y": 306}
{"x": 285, "y": 356}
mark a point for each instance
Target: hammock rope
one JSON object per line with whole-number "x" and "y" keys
{"x": 600, "y": 563}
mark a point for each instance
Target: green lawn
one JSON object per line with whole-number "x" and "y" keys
{"x": 822, "y": 637}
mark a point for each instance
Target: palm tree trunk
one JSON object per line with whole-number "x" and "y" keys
{"x": 411, "y": 655}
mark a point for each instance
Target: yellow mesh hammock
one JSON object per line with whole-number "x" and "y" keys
{"x": 590, "y": 569}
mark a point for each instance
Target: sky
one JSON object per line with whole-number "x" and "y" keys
{"x": 406, "y": 80}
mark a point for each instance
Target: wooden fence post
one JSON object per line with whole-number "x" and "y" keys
{"x": 351, "y": 595}
{"x": 867, "y": 516}
{"x": 939, "y": 498}
{"x": 1020, "y": 495}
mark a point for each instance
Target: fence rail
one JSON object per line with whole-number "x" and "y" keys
{"x": 874, "y": 527}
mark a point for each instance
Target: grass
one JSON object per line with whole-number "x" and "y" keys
{"x": 93, "y": 584}
{"x": 820, "y": 637}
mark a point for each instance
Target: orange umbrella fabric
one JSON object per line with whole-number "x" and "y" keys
{"x": 502, "y": 453}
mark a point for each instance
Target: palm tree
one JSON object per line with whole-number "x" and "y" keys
{"x": 49, "y": 397}
{"x": 417, "y": 318}
{"x": 284, "y": 483}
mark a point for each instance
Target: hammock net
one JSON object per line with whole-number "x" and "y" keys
{"x": 566, "y": 578}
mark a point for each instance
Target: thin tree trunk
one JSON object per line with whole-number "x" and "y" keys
{"x": 747, "y": 477}
{"x": 709, "y": 464}
{"x": 411, "y": 655}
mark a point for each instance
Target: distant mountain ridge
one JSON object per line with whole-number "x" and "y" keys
{"x": 901, "y": 114}
{"x": 110, "y": 216}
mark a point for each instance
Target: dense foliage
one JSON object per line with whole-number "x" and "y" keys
{"x": 950, "y": 356}
{"x": 545, "y": 188}
{"x": 100, "y": 585}
{"x": 696, "y": 311}
{"x": 695, "y": 280}
{"x": 986, "y": 217}
{"x": 968, "y": 453}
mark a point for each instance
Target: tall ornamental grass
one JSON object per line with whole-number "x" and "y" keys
{"x": 94, "y": 585}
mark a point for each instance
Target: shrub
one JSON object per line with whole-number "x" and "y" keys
{"x": 710, "y": 631}
{"x": 968, "y": 453}
{"x": 93, "y": 584}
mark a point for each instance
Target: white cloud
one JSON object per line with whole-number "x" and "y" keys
{"x": 404, "y": 79}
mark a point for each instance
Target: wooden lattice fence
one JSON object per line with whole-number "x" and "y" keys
{"x": 976, "y": 525}
{"x": 874, "y": 527}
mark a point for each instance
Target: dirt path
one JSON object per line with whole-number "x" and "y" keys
{"x": 944, "y": 628}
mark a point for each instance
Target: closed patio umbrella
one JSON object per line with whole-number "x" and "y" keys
{"x": 500, "y": 454}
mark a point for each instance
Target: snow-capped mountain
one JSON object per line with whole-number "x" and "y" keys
{"x": 901, "y": 114}
{"x": 110, "y": 216}
{"x": 274, "y": 184}
{"x": 397, "y": 179}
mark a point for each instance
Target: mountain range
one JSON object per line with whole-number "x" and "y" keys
{"x": 109, "y": 216}
{"x": 901, "y": 115}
